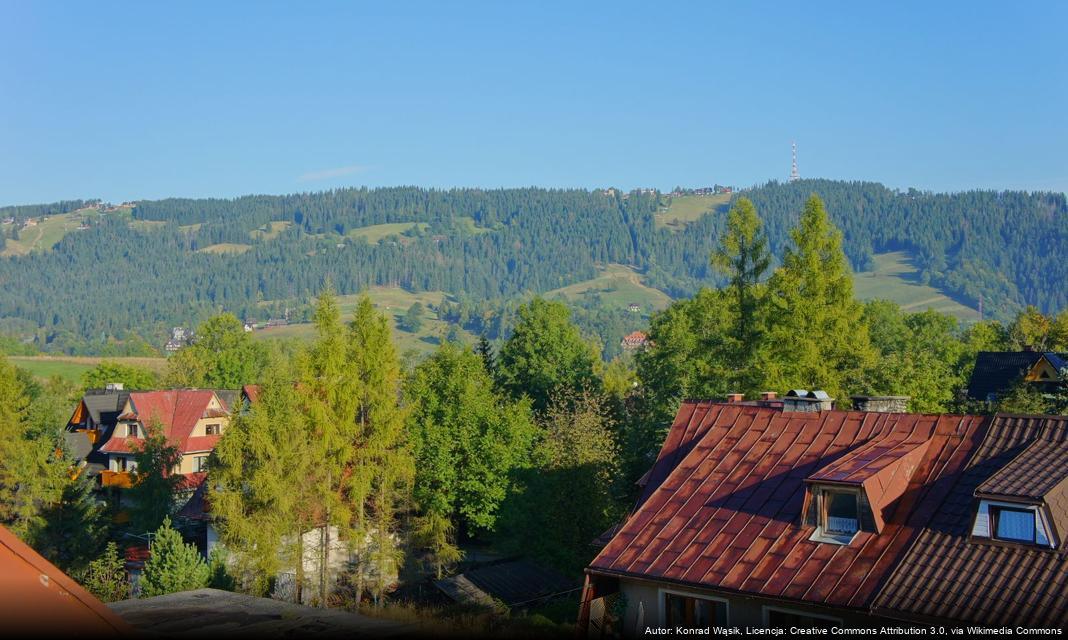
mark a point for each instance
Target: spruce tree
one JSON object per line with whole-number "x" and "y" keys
{"x": 742, "y": 255}
{"x": 172, "y": 565}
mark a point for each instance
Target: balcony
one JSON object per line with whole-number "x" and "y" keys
{"x": 120, "y": 479}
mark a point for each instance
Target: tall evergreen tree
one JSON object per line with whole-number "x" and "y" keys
{"x": 380, "y": 471}
{"x": 74, "y": 529}
{"x": 815, "y": 337}
{"x": 743, "y": 256}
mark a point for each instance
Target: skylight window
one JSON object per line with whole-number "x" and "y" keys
{"x": 1009, "y": 522}
{"x": 1015, "y": 525}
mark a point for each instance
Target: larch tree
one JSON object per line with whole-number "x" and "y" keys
{"x": 814, "y": 334}
{"x": 32, "y": 475}
{"x": 260, "y": 496}
{"x": 379, "y": 469}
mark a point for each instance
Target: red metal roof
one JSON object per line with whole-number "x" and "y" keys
{"x": 177, "y": 411}
{"x": 37, "y": 599}
{"x": 251, "y": 391}
{"x": 722, "y": 508}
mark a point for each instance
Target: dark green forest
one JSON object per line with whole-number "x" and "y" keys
{"x": 122, "y": 277}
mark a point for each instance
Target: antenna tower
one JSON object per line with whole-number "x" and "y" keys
{"x": 794, "y": 175}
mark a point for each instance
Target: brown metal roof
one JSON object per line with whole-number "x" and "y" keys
{"x": 946, "y": 575}
{"x": 722, "y": 508}
{"x": 1038, "y": 470}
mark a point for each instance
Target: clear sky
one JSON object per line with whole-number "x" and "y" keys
{"x": 152, "y": 99}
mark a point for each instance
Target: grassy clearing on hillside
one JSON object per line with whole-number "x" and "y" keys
{"x": 618, "y": 286}
{"x": 895, "y": 278}
{"x": 469, "y": 225}
{"x": 191, "y": 228}
{"x": 270, "y": 231}
{"x": 46, "y": 233}
{"x": 72, "y": 367}
{"x": 225, "y": 247}
{"x": 147, "y": 225}
{"x": 394, "y": 303}
{"x": 686, "y": 209}
{"x": 376, "y": 232}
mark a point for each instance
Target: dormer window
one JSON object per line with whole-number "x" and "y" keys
{"x": 1012, "y": 522}
{"x": 841, "y": 515}
{"x": 132, "y": 431}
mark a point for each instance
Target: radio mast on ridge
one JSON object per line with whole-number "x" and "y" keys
{"x": 794, "y": 175}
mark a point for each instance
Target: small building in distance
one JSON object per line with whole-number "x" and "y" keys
{"x": 996, "y": 372}
{"x": 634, "y": 341}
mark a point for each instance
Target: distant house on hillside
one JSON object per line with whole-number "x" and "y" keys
{"x": 996, "y": 372}
{"x": 180, "y": 337}
{"x": 634, "y": 307}
{"x": 634, "y": 340}
{"x": 757, "y": 515}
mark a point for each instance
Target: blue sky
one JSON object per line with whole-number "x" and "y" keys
{"x": 148, "y": 100}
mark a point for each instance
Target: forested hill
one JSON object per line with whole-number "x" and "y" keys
{"x": 174, "y": 261}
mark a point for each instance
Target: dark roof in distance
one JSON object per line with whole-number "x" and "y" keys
{"x": 514, "y": 583}
{"x": 997, "y": 371}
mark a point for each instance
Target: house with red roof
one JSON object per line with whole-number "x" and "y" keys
{"x": 767, "y": 513}
{"x": 191, "y": 419}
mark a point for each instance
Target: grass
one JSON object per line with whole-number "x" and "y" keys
{"x": 72, "y": 367}
{"x": 270, "y": 231}
{"x": 394, "y": 302}
{"x": 618, "y": 286}
{"x": 191, "y": 228}
{"x": 895, "y": 278}
{"x": 147, "y": 225}
{"x": 686, "y": 209}
{"x": 376, "y": 232}
{"x": 230, "y": 248}
{"x": 469, "y": 225}
{"x": 46, "y": 233}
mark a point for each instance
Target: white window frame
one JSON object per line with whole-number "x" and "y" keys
{"x": 661, "y": 601}
{"x": 766, "y": 610}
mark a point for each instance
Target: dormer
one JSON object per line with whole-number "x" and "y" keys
{"x": 859, "y": 491}
{"x": 1026, "y": 501}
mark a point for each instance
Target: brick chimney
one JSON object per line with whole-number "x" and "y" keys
{"x": 768, "y": 395}
{"x": 735, "y": 397}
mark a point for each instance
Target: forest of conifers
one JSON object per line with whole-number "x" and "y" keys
{"x": 120, "y": 277}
